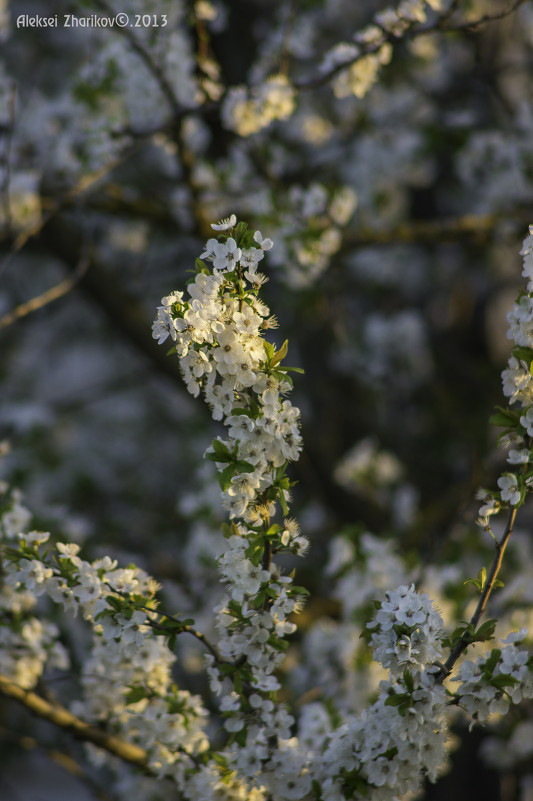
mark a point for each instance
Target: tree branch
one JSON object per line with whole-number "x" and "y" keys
{"x": 83, "y": 185}
{"x": 60, "y": 716}
{"x": 50, "y": 295}
{"x": 440, "y": 25}
{"x": 479, "y": 228}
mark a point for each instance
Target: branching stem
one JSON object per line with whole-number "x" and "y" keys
{"x": 465, "y": 640}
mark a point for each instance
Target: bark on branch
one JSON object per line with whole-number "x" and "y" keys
{"x": 60, "y": 716}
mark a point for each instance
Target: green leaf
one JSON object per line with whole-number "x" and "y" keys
{"x": 241, "y": 410}
{"x": 13, "y": 554}
{"x": 284, "y": 369}
{"x": 220, "y": 452}
{"x": 273, "y": 530}
{"x": 239, "y": 234}
{"x": 503, "y": 680}
{"x": 408, "y": 681}
{"x": 486, "y": 631}
{"x": 213, "y": 457}
{"x": 136, "y": 694}
{"x": 219, "y": 759}
{"x": 390, "y": 753}
{"x": 237, "y": 682}
{"x": 282, "y": 376}
{"x": 259, "y": 599}
{"x": 397, "y": 699}
{"x": 492, "y": 661}
{"x": 243, "y": 466}
{"x": 220, "y": 447}
{"x": 283, "y": 502}
{"x": 269, "y": 350}
{"x": 456, "y": 636}
{"x": 505, "y": 418}
{"x": 522, "y": 353}
{"x": 116, "y": 603}
{"x": 226, "y": 669}
{"x": 296, "y": 589}
{"x": 280, "y": 354}
{"x": 241, "y": 736}
{"x": 224, "y": 478}
{"x": 478, "y": 582}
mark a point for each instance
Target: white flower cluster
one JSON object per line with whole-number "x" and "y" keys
{"x": 127, "y": 680}
{"x": 253, "y": 633}
{"x": 360, "y": 75}
{"x": 491, "y": 683}
{"x": 243, "y": 380}
{"x": 407, "y": 631}
{"x": 308, "y": 229}
{"x": 383, "y": 754}
{"x": 217, "y": 333}
{"x": 28, "y": 645}
{"x": 248, "y": 112}
{"x": 518, "y": 387}
{"x": 362, "y": 67}
{"x": 517, "y": 379}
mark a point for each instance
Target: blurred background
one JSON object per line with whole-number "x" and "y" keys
{"x": 397, "y": 218}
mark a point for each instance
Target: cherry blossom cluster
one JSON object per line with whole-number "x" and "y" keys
{"x": 371, "y": 48}
{"x": 496, "y": 680}
{"x": 384, "y": 753}
{"x": 407, "y": 631}
{"x": 386, "y": 750}
{"x": 308, "y": 229}
{"x": 249, "y": 111}
{"x": 127, "y": 680}
{"x": 217, "y": 336}
{"x": 517, "y": 380}
{"x": 518, "y": 387}
{"x": 28, "y": 643}
{"x": 243, "y": 380}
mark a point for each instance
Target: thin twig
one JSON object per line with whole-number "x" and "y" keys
{"x": 45, "y": 298}
{"x": 440, "y": 25}
{"x": 466, "y": 640}
{"x": 60, "y": 716}
{"x": 146, "y": 57}
{"x": 186, "y": 629}
{"x": 483, "y": 20}
{"x": 85, "y": 183}
{"x": 477, "y": 227}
